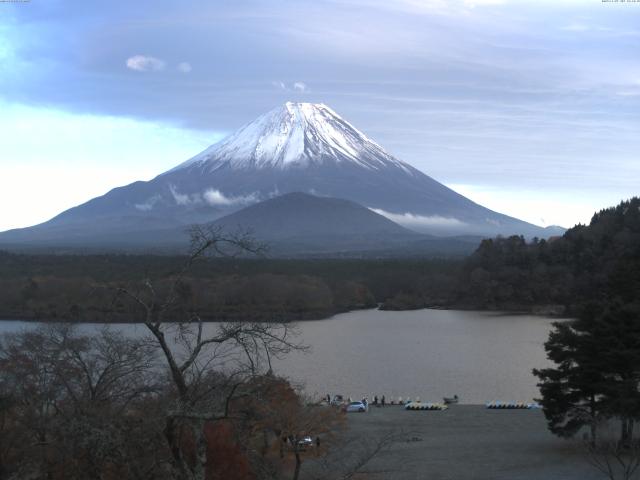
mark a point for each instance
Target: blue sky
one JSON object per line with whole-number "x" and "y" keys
{"x": 530, "y": 108}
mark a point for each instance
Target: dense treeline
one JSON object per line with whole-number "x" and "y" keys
{"x": 600, "y": 261}
{"x": 79, "y": 287}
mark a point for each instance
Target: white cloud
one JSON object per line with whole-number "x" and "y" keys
{"x": 300, "y": 87}
{"x": 180, "y": 198}
{"x": 185, "y": 67}
{"x": 412, "y": 220}
{"x": 184, "y": 198}
{"x": 294, "y": 87}
{"x": 215, "y": 197}
{"x": 144, "y": 63}
{"x": 148, "y": 204}
{"x": 274, "y": 193}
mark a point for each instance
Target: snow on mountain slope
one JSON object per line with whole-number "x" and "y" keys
{"x": 295, "y": 134}
{"x": 297, "y": 147}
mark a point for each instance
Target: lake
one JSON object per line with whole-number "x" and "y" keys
{"x": 480, "y": 356}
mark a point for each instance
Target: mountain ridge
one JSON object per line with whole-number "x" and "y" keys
{"x": 297, "y": 147}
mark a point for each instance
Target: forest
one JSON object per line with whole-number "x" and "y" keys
{"x": 553, "y": 276}
{"x": 78, "y": 288}
{"x": 595, "y": 262}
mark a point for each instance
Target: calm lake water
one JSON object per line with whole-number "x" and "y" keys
{"x": 479, "y": 356}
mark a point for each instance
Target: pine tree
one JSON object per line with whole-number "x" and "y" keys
{"x": 571, "y": 391}
{"x": 597, "y": 372}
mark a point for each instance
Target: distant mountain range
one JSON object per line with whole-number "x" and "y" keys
{"x": 298, "y": 147}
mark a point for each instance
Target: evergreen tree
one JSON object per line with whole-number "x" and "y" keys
{"x": 571, "y": 391}
{"x": 597, "y": 371}
{"x": 618, "y": 330}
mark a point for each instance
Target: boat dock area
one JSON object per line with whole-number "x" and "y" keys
{"x": 468, "y": 442}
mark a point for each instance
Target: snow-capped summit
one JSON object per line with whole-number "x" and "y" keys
{"x": 295, "y": 134}
{"x": 297, "y": 147}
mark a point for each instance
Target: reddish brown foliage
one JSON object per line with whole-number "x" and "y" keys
{"x": 226, "y": 459}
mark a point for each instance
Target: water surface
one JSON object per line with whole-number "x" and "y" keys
{"x": 479, "y": 356}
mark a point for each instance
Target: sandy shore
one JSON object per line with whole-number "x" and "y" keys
{"x": 470, "y": 442}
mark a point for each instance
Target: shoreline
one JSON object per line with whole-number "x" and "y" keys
{"x": 311, "y": 317}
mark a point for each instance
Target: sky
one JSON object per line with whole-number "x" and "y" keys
{"x": 531, "y": 108}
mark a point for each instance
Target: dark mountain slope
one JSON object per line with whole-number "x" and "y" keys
{"x": 302, "y": 215}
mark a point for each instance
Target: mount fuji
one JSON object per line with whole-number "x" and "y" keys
{"x": 297, "y": 147}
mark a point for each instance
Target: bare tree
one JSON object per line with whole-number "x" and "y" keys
{"x": 28, "y": 364}
{"x": 192, "y": 351}
{"x": 73, "y": 403}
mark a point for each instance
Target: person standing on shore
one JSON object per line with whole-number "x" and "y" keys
{"x": 383, "y": 401}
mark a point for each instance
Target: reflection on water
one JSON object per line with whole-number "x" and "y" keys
{"x": 479, "y": 356}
